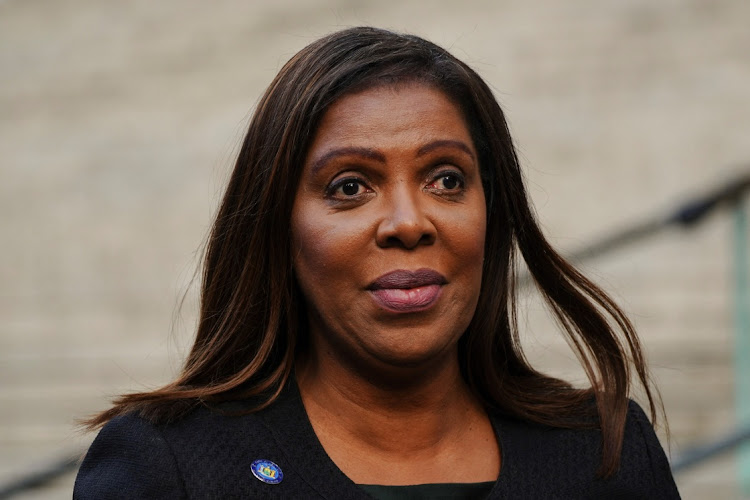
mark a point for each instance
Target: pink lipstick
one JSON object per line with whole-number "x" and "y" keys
{"x": 407, "y": 291}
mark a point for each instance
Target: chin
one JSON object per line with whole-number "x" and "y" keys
{"x": 413, "y": 359}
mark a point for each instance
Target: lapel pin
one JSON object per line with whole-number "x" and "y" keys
{"x": 267, "y": 471}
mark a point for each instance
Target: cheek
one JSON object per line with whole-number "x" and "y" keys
{"x": 469, "y": 235}
{"x": 474, "y": 251}
{"x": 472, "y": 256}
{"x": 473, "y": 231}
{"x": 470, "y": 249}
{"x": 322, "y": 253}
{"x": 310, "y": 251}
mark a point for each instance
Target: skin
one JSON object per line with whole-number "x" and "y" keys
{"x": 391, "y": 182}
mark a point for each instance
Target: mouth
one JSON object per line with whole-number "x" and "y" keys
{"x": 407, "y": 291}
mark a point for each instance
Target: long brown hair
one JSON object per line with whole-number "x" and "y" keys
{"x": 252, "y": 320}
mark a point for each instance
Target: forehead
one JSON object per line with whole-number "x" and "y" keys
{"x": 399, "y": 116}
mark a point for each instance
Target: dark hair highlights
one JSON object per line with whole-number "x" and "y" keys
{"x": 251, "y": 320}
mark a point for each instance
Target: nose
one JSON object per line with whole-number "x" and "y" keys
{"x": 405, "y": 223}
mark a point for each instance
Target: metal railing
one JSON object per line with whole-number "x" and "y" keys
{"x": 687, "y": 215}
{"x": 702, "y": 453}
{"x": 41, "y": 476}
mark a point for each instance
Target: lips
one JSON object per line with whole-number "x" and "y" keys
{"x": 407, "y": 291}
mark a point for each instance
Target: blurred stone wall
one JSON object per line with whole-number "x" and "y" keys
{"x": 119, "y": 122}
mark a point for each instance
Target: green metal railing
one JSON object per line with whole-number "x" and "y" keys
{"x": 690, "y": 214}
{"x": 739, "y": 438}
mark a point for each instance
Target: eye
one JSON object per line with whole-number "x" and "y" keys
{"x": 447, "y": 181}
{"x": 348, "y": 187}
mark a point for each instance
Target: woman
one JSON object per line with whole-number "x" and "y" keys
{"x": 357, "y": 332}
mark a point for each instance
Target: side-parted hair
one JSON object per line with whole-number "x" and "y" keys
{"x": 252, "y": 318}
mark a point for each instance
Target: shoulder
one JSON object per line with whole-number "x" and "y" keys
{"x": 569, "y": 459}
{"x": 206, "y": 454}
{"x": 128, "y": 459}
{"x": 133, "y": 458}
{"x": 643, "y": 460}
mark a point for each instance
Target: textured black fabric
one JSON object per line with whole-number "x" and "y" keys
{"x": 208, "y": 455}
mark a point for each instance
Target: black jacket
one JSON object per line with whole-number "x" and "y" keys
{"x": 208, "y": 454}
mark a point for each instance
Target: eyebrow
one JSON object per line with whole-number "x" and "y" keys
{"x": 445, "y": 143}
{"x": 372, "y": 154}
{"x": 368, "y": 153}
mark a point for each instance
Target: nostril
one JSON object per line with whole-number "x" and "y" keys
{"x": 408, "y": 241}
{"x": 392, "y": 241}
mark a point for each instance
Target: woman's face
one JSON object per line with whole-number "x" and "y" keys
{"x": 388, "y": 228}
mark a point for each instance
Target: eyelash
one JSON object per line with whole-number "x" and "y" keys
{"x": 461, "y": 182}
{"x": 339, "y": 184}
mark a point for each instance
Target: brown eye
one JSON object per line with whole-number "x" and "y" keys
{"x": 350, "y": 188}
{"x": 448, "y": 181}
{"x": 347, "y": 188}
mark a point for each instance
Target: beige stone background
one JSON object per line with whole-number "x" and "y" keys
{"x": 119, "y": 122}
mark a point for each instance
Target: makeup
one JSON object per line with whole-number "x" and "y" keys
{"x": 405, "y": 291}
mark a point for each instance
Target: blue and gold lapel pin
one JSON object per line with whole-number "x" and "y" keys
{"x": 267, "y": 471}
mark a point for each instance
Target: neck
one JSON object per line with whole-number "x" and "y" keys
{"x": 399, "y": 425}
{"x": 432, "y": 402}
